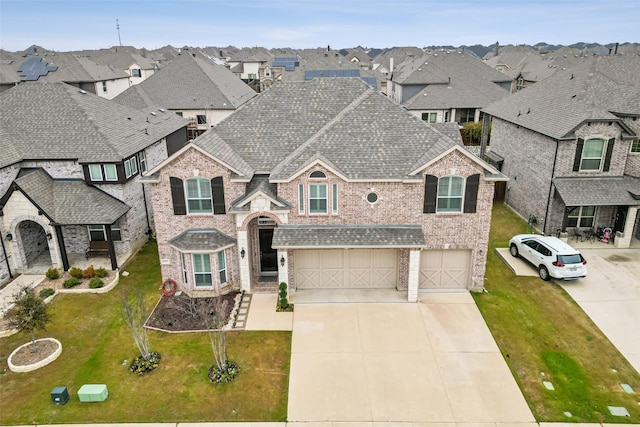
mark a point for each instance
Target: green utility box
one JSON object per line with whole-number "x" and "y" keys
{"x": 59, "y": 395}
{"x": 93, "y": 393}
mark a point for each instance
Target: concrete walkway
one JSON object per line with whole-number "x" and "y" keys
{"x": 7, "y": 293}
{"x": 431, "y": 362}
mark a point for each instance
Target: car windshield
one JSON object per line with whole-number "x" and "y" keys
{"x": 570, "y": 259}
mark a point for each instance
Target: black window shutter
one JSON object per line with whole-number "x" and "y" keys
{"x": 578, "y": 158}
{"x": 177, "y": 195}
{"x": 607, "y": 157}
{"x": 217, "y": 191}
{"x": 471, "y": 193}
{"x": 430, "y": 193}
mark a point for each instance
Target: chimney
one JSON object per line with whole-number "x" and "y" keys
{"x": 391, "y": 65}
{"x": 497, "y": 50}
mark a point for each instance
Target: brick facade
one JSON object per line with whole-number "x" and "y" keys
{"x": 398, "y": 203}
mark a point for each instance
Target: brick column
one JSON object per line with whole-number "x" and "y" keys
{"x": 414, "y": 276}
{"x": 624, "y": 240}
{"x": 245, "y": 271}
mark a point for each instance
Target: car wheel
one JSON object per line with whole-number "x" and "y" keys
{"x": 544, "y": 273}
{"x": 514, "y": 250}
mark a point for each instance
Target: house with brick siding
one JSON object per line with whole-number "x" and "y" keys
{"x": 446, "y": 86}
{"x": 569, "y": 145}
{"x": 68, "y": 165}
{"x": 323, "y": 184}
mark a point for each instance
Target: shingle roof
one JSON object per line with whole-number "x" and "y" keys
{"x": 593, "y": 90}
{"x": 456, "y": 94}
{"x": 259, "y": 184}
{"x": 72, "y": 69}
{"x": 201, "y": 239}
{"x": 348, "y": 236}
{"x": 58, "y": 121}
{"x": 189, "y": 83}
{"x": 70, "y": 202}
{"x": 341, "y": 120}
{"x": 599, "y": 191}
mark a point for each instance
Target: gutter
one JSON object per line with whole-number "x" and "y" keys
{"x": 553, "y": 175}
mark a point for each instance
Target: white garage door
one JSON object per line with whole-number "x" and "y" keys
{"x": 445, "y": 269}
{"x": 346, "y": 268}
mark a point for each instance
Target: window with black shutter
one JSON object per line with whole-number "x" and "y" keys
{"x": 217, "y": 189}
{"x": 471, "y": 193}
{"x": 177, "y": 196}
{"x": 430, "y": 193}
{"x": 578, "y": 157}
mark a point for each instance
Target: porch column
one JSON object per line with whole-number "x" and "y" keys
{"x": 453, "y": 115}
{"x": 565, "y": 218}
{"x": 624, "y": 241}
{"x": 414, "y": 276}
{"x": 245, "y": 272}
{"x": 63, "y": 250}
{"x": 283, "y": 270}
{"x": 112, "y": 249}
{"x": 476, "y": 115}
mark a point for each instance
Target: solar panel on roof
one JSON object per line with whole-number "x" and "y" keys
{"x": 34, "y": 68}
{"x": 371, "y": 81}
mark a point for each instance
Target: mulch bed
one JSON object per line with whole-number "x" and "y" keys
{"x": 182, "y": 313}
{"x": 25, "y": 356}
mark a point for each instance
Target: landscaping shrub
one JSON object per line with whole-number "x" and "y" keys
{"x": 141, "y": 366}
{"x": 283, "y": 302}
{"x": 75, "y": 272}
{"x": 70, "y": 283}
{"x": 52, "y": 273}
{"x": 96, "y": 283}
{"x": 46, "y": 293}
{"x": 226, "y": 375}
{"x": 100, "y": 272}
{"x": 88, "y": 272}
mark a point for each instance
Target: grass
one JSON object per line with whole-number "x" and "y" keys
{"x": 96, "y": 343}
{"x": 540, "y": 329}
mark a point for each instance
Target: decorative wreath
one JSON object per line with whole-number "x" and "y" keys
{"x": 169, "y": 287}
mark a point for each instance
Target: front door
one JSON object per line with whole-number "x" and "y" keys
{"x": 268, "y": 255}
{"x": 621, "y": 217}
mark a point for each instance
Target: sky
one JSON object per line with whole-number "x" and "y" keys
{"x": 63, "y": 25}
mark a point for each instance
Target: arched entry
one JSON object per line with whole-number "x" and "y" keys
{"x": 34, "y": 245}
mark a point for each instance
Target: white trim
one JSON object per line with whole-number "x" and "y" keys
{"x": 462, "y": 150}
{"x": 203, "y": 251}
{"x": 189, "y": 146}
{"x": 305, "y": 168}
{"x": 263, "y": 194}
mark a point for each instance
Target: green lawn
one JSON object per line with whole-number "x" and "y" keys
{"x": 96, "y": 342}
{"x": 540, "y": 329}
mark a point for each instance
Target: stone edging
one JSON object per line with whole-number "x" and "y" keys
{"x": 40, "y": 364}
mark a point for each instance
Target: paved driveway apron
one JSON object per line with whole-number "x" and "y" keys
{"x": 434, "y": 361}
{"x": 610, "y": 295}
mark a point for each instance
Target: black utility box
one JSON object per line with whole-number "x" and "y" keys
{"x": 59, "y": 395}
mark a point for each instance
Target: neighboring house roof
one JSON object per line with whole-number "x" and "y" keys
{"x": 75, "y": 69}
{"x": 201, "y": 240}
{"x": 437, "y": 67}
{"x": 340, "y": 122}
{"x": 599, "y": 191}
{"x": 348, "y": 236}
{"x": 189, "y": 83}
{"x": 69, "y": 201}
{"x": 123, "y": 60}
{"x": 593, "y": 90}
{"x": 59, "y": 121}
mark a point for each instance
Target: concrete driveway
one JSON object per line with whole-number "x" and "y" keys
{"x": 610, "y": 295}
{"x": 434, "y": 361}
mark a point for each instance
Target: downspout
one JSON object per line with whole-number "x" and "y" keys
{"x": 6, "y": 258}
{"x": 146, "y": 210}
{"x": 553, "y": 174}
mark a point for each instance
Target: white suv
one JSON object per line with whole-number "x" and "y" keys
{"x": 551, "y": 256}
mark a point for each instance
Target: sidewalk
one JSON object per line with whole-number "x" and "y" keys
{"x": 7, "y": 293}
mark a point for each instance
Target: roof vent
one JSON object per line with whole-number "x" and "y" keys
{"x": 153, "y": 113}
{"x": 162, "y": 110}
{"x": 84, "y": 92}
{"x": 146, "y": 131}
{"x": 128, "y": 118}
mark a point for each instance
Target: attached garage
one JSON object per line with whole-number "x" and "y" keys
{"x": 445, "y": 269}
{"x": 346, "y": 268}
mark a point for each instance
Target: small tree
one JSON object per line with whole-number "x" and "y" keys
{"x": 215, "y": 319}
{"x": 29, "y": 312}
{"x": 135, "y": 314}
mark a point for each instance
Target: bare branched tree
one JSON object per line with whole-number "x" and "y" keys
{"x": 29, "y": 312}
{"x": 135, "y": 314}
{"x": 215, "y": 319}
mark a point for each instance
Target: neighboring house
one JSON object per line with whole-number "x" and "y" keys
{"x": 323, "y": 184}
{"x": 569, "y": 145}
{"x": 446, "y": 86}
{"x": 67, "y": 175}
{"x": 527, "y": 66}
{"x": 136, "y": 66}
{"x": 246, "y": 64}
{"x": 193, "y": 87}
